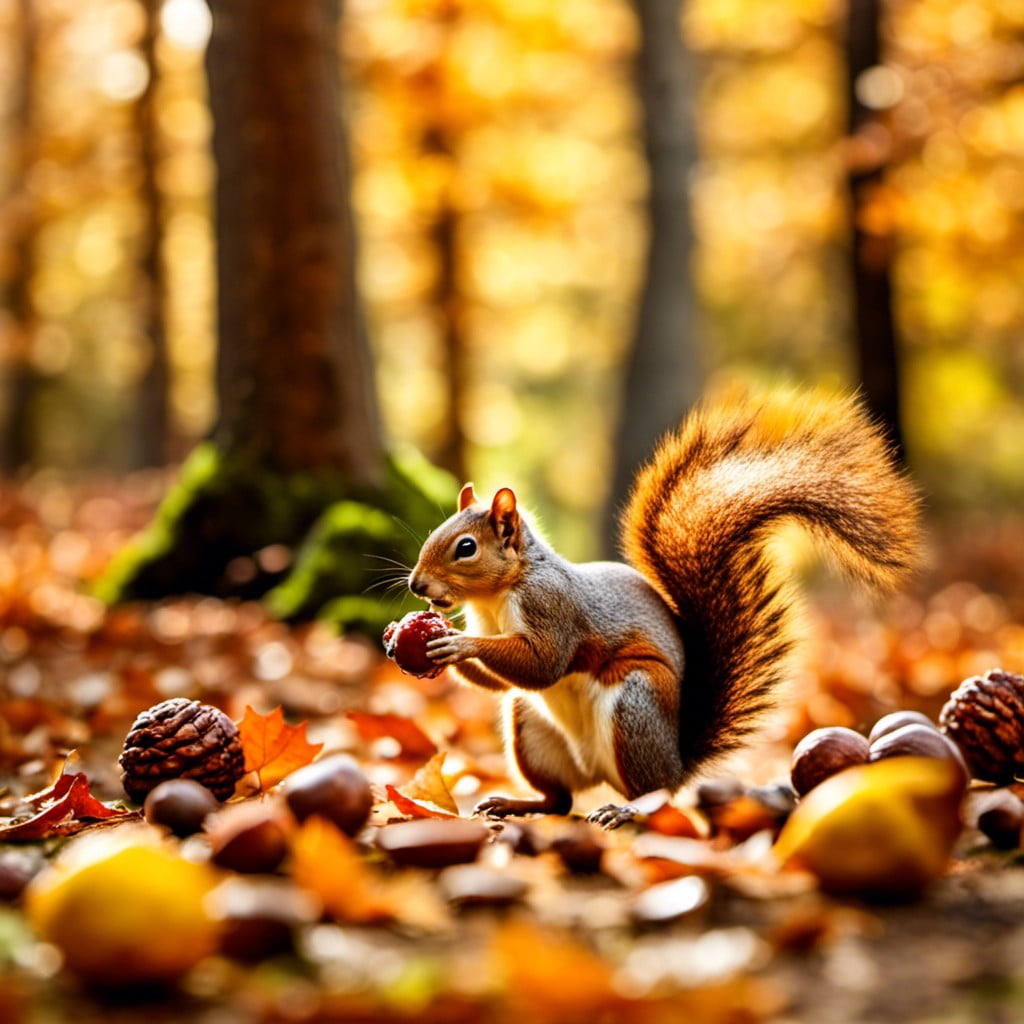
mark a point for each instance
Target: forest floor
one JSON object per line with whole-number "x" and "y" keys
{"x": 579, "y": 943}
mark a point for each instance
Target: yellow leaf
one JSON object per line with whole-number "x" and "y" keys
{"x": 428, "y": 786}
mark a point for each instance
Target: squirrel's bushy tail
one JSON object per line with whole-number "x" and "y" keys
{"x": 701, "y": 512}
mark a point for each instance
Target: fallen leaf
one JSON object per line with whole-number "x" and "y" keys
{"x": 414, "y": 743}
{"x": 273, "y": 748}
{"x": 326, "y": 863}
{"x": 426, "y": 794}
{"x": 413, "y": 808}
{"x": 670, "y": 820}
{"x": 68, "y": 797}
{"x": 551, "y": 975}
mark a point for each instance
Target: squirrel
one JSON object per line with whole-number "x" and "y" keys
{"x": 640, "y": 674}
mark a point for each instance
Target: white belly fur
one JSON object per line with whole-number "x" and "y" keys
{"x": 582, "y": 708}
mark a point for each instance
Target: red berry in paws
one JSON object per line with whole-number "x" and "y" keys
{"x": 406, "y": 641}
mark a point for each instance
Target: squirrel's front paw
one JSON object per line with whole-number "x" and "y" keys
{"x": 611, "y": 816}
{"x": 448, "y": 649}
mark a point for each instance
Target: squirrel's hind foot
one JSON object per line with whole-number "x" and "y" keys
{"x": 507, "y": 806}
{"x": 610, "y": 816}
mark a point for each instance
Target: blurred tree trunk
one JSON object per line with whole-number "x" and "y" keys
{"x": 875, "y": 331}
{"x": 153, "y": 420}
{"x": 664, "y": 373}
{"x": 297, "y": 426}
{"x": 447, "y": 303}
{"x": 293, "y": 371}
{"x": 18, "y": 318}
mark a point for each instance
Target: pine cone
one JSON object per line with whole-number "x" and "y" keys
{"x": 984, "y": 716}
{"x": 182, "y": 739}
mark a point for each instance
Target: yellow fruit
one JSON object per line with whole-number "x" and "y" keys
{"x": 124, "y": 912}
{"x": 882, "y": 830}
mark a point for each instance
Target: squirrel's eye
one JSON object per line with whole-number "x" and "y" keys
{"x": 465, "y": 548}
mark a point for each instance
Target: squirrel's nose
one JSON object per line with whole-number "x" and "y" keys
{"x": 420, "y": 587}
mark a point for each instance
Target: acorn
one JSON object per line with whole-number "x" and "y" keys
{"x": 405, "y": 642}
{"x": 824, "y": 752}
{"x": 333, "y": 788}
{"x": 180, "y": 805}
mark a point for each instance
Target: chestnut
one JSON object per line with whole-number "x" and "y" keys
{"x": 180, "y": 805}
{"x": 1000, "y": 817}
{"x": 896, "y": 720}
{"x": 822, "y": 753}
{"x": 333, "y": 788}
{"x": 915, "y": 740}
{"x": 251, "y": 838}
{"x": 433, "y": 842}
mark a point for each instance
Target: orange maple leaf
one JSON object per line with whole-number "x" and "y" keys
{"x": 326, "y": 863}
{"x": 273, "y": 748}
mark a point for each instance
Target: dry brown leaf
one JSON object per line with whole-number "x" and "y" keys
{"x": 68, "y": 797}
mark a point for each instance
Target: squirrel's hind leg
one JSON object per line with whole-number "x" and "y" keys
{"x": 646, "y": 741}
{"x": 544, "y": 760}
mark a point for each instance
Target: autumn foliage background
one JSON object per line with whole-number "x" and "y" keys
{"x": 503, "y": 194}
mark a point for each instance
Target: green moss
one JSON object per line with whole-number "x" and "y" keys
{"x": 356, "y": 549}
{"x": 207, "y": 533}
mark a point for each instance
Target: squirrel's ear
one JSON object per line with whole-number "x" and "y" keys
{"x": 466, "y": 497}
{"x": 504, "y": 518}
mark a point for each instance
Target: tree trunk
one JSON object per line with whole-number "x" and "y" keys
{"x": 875, "y": 331}
{"x": 447, "y": 302}
{"x": 17, "y": 328}
{"x": 153, "y": 420}
{"x": 293, "y": 373}
{"x": 297, "y": 428}
{"x": 664, "y": 373}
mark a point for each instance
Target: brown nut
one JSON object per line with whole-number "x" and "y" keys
{"x": 915, "y": 740}
{"x": 180, "y": 805}
{"x": 984, "y": 716}
{"x": 251, "y": 838}
{"x": 433, "y": 842}
{"x": 824, "y": 752}
{"x": 17, "y": 869}
{"x": 182, "y": 739}
{"x": 333, "y": 788}
{"x": 1000, "y": 817}
{"x": 896, "y": 720}
{"x": 580, "y": 848}
{"x": 259, "y": 918}
{"x": 473, "y": 885}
